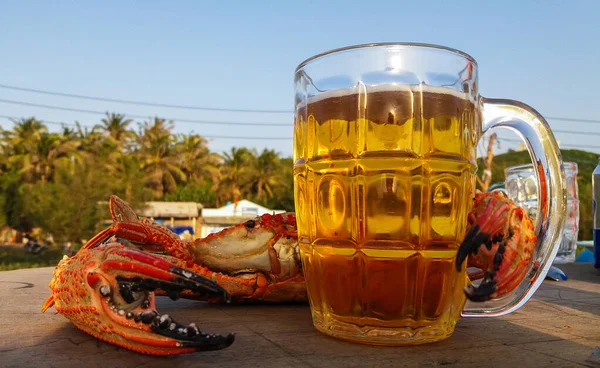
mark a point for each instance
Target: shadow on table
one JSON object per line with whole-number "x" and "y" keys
{"x": 582, "y": 296}
{"x": 585, "y": 306}
{"x": 283, "y": 336}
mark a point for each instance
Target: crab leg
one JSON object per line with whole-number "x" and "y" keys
{"x": 143, "y": 232}
{"x": 163, "y": 272}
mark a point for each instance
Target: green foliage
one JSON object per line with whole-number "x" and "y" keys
{"x": 14, "y": 258}
{"x": 193, "y": 193}
{"x": 283, "y": 192}
{"x": 14, "y": 208}
{"x": 60, "y": 182}
{"x": 586, "y": 163}
{"x": 2, "y": 214}
{"x": 68, "y": 207}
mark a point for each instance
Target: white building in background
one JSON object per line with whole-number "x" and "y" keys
{"x": 215, "y": 219}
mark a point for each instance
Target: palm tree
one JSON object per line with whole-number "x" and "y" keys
{"x": 128, "y": 180}
{"x": 283, "y": 196}
{"x": 197, "y": 162}
{"x": 266, "y": 174}
{"x": 32, "y": 156}
{"x": 52, "y": 151}
{"x": 24, "y": 136}
{"x": 116, "y": 128}
{"x": 34, "y": 152}
{"x": 159, "y": 160}
{"x": 236, "y": 171}
{"x": 93, "y": 143}
{"x": 69, "y": 133}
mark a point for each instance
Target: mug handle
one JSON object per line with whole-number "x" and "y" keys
{"x": 552, "y": 198}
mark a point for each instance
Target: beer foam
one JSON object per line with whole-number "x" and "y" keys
{"x": 385, "y": 87}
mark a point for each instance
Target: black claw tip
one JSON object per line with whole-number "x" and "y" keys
{"x": 498, "y": 257}
{"x": 182, "y": 280}
{"x": 488, "y": 244}
{"x": 191, "y": 337}
{"x": 472, "y": 241}
{"x": 197, "y": 282}
{"x": 482, "y": 293}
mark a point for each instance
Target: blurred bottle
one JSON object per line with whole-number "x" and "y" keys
{"x": 567, "y": 252}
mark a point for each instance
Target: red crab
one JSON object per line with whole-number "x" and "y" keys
{"x": 108, "y": 290}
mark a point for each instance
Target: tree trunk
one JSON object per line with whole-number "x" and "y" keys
{"x": 487, "y": 172}
{"x": 259, "y": 191}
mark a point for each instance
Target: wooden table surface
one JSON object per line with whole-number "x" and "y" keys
{"x": 560, "y": 327}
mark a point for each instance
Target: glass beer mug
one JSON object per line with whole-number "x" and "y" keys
{"x": 385, "y": 140}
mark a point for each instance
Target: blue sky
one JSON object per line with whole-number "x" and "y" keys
{"x": 242, "y": 55}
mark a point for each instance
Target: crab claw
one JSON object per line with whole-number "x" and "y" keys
{"x": 108, "y": 292}
{"x": 500, "y": 241}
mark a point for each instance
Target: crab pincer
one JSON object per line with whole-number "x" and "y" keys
{"x": 500, "y": 240}
{"x": 108, "y": 292}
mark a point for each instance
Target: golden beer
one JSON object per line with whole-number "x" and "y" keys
{"x": 384, "y": 178}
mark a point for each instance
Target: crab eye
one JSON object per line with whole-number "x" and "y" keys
{"x": 250, "y": 224}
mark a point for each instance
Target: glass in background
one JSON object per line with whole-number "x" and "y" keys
{"x": 521, "y": 186}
